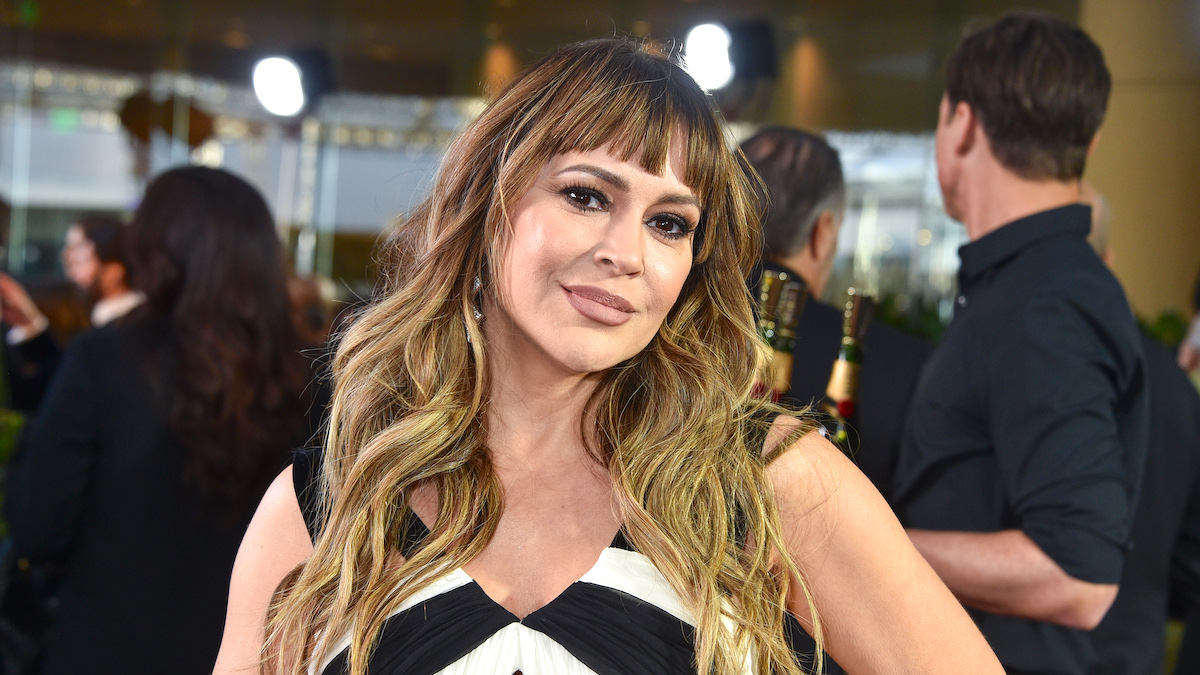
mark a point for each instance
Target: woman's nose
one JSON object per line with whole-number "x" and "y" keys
{"x": 623, "y": 245}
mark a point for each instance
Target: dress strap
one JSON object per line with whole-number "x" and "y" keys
{"x": 621, "y": 542}
{"x": 415, "y": 533}
{"x": 306, "y": 471}
{"x": 306, "y": 468}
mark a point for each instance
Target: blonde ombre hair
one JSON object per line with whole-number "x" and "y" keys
{"x": 675, "y": 425}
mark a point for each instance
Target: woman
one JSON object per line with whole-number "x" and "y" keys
{"x": 543, "y": 455}
{"x": 160, "y": 434}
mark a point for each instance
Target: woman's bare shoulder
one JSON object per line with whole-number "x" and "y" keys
{"x": 820, "y": 493}
{"x": 804, "y": 467}
{"x": 275, "y": 543}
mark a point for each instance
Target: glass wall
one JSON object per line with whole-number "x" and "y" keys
{"x": 75, "y": 140}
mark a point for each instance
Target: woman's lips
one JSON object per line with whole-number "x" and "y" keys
{"x": 599, "y": 305}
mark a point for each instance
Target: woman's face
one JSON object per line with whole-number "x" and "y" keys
{"x": 597, "y": 254}
{"x": 79, "y": 259}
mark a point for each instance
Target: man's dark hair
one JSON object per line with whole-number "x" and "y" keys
{"x": 802, "y": 176}
{"x": 107, "y": 236}
{"x": 1039, "y": 87}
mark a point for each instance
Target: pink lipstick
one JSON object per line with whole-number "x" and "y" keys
{"x": 599, "y": 305}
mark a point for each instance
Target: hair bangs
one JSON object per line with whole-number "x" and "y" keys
{"x": 636, "y": 105}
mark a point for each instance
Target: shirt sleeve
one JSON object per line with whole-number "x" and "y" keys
{"x": 1057, "y": 375}
{"x": 31, "y": 364}
{"x": 47, "y": 491}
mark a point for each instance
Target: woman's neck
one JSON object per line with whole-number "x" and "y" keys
{"x": 534, "y": 411}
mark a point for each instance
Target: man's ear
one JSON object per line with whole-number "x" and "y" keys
{"x": 964, "y": 128}
{"x": 823, "y": 240}
{"x": 1092, "y": 144}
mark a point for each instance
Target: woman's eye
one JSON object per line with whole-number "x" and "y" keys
{"x": 671, "y": 226}
{"x": 585, "y": 198}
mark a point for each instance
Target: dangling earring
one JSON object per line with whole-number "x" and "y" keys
{"x": 475, "y": 286}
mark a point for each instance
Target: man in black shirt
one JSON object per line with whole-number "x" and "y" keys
{"x": 806, "y": 197}
{"x": 1023, "y": 454}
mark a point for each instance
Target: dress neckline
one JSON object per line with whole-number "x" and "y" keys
{"x": 416, "y": 531}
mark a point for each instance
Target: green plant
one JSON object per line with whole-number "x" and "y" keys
{"x": 1169, "y": 328}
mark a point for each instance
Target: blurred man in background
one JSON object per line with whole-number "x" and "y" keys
{"x": 1166, "y": 524}
{"x": 93, "y": 259}
{"x": 806, "y": 198}
{"x": 1021, "y": 462}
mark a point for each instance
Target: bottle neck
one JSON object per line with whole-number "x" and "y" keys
{"x": 843, "y": 381}
{"x": 850, "y": 351}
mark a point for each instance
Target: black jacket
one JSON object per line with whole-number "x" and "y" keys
{"x": 100, "y": 489}
{"x": 1032, "y": 414}
{"x": 29, "y": 367}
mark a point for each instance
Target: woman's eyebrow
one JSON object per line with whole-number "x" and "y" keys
{"x": 621, "y": 184}
{"x": 603, "y": 174}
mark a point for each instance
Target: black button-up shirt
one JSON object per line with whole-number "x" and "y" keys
{"x": 1032, "y": 414}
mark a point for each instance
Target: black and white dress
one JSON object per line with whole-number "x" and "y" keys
{"x": 620, "y": 618}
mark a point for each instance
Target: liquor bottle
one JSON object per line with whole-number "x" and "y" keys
{"x": 781, "y": 297}
{"x": 841, "y": 395}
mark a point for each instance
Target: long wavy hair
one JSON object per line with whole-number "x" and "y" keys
{"x": 674, "y": 425}
{"x": 202, "y": 246}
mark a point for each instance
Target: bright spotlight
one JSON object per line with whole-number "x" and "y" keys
{"x": 706, "y": 56}
{"x": 277, "y": 85}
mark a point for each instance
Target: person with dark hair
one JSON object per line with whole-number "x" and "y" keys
{"x": 160, "y": 433}
{"x": 93, "y": 258}
{"x": 1022, "y": 457}
{"x": 805, "y": 195}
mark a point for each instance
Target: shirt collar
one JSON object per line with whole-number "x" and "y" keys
{"x": 107, "y": 310}
{"x": 1008, "y": 240}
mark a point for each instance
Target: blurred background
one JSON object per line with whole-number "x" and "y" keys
{"x": 96, "y": 96}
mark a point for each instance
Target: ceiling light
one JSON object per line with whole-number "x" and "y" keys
{"x": 277, "y": 85}
{"x": 706, "y": 56}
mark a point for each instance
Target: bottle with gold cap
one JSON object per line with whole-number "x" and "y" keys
{"x": 781, "y": 298}
{"x": 841, "y": 395}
